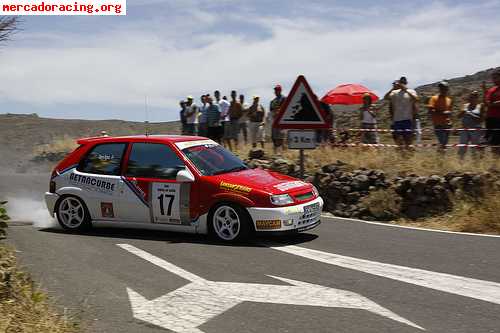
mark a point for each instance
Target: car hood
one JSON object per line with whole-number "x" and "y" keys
{"x": 264, "y": 180}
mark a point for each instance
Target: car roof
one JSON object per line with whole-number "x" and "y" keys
{"x": 140, "y": 138}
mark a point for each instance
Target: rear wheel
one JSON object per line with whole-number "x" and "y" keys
{"x": 230, "y": 223}
{"x": 72, "y": 214}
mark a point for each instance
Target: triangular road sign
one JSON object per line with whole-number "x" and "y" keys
{"x": 301, "y": 109}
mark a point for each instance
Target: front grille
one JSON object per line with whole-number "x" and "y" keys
{"x": 310, "y": 217}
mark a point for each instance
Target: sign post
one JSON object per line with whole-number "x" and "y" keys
{"x": 302, "y": 113}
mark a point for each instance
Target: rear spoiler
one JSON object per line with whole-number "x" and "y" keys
{"x": 83, "y": 141}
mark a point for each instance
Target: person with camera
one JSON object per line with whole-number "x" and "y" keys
{"x": 403, "y": 107}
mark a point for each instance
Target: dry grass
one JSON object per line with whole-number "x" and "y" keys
{"x": 62, "y": 144}
{"x": 392, "y": 161}
{"x": 479, "y": 216}
{"x": 23, "y": 307}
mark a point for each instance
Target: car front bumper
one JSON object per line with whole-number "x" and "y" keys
{"x": 50, "y": 201}
{"x": 297, "y": 218}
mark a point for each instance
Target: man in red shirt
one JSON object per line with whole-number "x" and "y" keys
{"x": 492, "y": 102}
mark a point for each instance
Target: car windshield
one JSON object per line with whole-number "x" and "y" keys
{"x": 212, "y": 159}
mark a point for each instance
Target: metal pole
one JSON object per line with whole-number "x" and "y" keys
{"x": 301, "y": 163}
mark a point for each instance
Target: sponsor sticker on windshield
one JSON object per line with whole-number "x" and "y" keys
{"x": 234, "y": 188}
{"x": 289, "y": 185}
{"x": 190, "y": 144}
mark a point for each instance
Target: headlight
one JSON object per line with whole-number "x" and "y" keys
{"x": 315, "y": 191}
{"x": 281, "y": 199}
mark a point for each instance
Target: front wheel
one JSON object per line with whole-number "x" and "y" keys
{"x": 230, "y": 223}
{"x": 72, "y": 214}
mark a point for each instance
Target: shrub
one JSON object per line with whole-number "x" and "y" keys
{"x": 3, "y": 218}
{"x": 23, "y": 307}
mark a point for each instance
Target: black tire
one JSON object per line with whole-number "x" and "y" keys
{"x": 63, "y": 215}
{"x": 245, "y": 230}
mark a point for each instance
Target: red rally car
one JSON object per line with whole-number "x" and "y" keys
{"x": 187, "y": 184}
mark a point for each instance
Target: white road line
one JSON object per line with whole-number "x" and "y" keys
{"x": 482, "y": 290}
{"x": 162, "y": 263}
{"x": 458, "y": 233}
{"x": 187, "y": 308}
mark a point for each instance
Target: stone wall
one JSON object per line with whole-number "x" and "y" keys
{"x": 372, "y": 195}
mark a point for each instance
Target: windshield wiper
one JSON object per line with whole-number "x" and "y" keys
{"x": 238, "y": 168}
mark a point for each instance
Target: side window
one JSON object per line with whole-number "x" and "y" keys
{"x": 152, "y": 160}
{"x": 104, "y": 159}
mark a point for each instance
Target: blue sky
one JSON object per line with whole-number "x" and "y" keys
{"x": 103, "y": 67}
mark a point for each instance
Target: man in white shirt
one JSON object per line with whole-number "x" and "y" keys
{"x": 244, "y": 119}
{"x": 191, "y": 114}
{"x": 224, "y": 117}
{"x": 403, "y": 107}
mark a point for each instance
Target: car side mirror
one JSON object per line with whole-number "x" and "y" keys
{"x": 184, "y": 176}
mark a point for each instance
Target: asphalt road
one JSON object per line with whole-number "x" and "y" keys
{"x": 190, "y": 284}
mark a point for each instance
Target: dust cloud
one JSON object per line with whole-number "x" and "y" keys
{"x": 25, "y": 196}
{"x": 25, "y": 209}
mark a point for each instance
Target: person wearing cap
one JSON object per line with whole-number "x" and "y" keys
{"x": 182, "y": 116}
{"x": 191, "y": 116}
{"x": 368, "y": 118}
{"x": 440, "y": 108}
{"x": 403, "y": 109}
{"x": 492, "y": 102}
{"x": 235, "y": 113}
{"x": 472, "y": 115}
{"x": 277, "y": 135}
{"x": 256, "y": 116}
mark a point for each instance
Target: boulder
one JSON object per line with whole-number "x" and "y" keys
{"x": 361, "y": 183}
{"x": 256, "y": 153}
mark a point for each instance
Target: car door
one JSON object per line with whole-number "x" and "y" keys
{"x": 98, "y": 177}
{"x": 151, "y": 171}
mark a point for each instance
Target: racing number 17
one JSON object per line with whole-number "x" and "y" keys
{"x": 162, "y": 208}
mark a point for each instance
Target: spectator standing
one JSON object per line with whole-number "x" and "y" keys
{"x": 182, "y": 116}
{"x": 214, "y": 128}
{"x": 368, "y": 118}
{"x": 403, "y": 107}
{"x": 492, "y": 102}
{"x": 202, "y": 119}
{"x": 244, "y": 119}
{"x": 472, "y": 116}
{"x": 224, "y": 117}
{"x": 440, "y": 107}
{"x": 235, "y": 113}
{"x": 256, "y": 116}
{"x": 277, "y": 135}
{"x": 191, "y": 116}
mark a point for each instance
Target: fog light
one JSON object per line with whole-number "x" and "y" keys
{"x": 287, "y": 223}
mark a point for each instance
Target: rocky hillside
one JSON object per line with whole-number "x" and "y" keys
{"x": 22, "y": 135}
